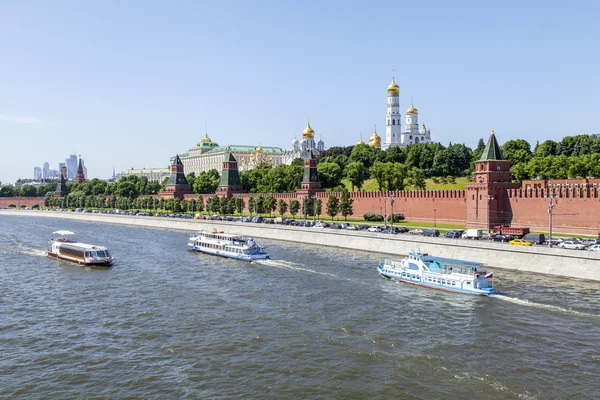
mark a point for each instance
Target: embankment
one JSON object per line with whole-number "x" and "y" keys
{"x": 536, "y": 259}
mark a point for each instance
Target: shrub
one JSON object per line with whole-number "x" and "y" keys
{"x": 35, "y": 206}
{"x": 435, "y": 180}
{"x": 451, "y": 179}
{"x": 373, "y": 217}
{"x": 397, "y": 217}
{"x": 443, "y": 180}
{"x": 12, "y": 206}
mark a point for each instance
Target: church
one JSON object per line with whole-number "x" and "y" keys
{"x": 302, "y": 148}
{"x": 394, "y": 136}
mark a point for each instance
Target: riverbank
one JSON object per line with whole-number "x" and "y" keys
{"x": 536, "y": 259}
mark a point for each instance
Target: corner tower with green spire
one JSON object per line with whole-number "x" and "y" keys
{"x": 230, "y": 183}
{"x": 487, "y": 198}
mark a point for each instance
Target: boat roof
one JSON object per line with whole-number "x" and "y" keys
{"x": 63, "y": 233}
{"x": 445, "y": 260}
{"x": 85, "y": 246}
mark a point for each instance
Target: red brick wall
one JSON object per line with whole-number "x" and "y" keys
{"x": 20, "y": 201}
{"x": 576, "y": 210}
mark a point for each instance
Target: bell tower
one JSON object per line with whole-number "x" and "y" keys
{"x": 487, "y": 198}
{"x": 393, "y": 128}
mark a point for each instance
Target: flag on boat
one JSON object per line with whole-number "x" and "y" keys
{"x": 490, "y": 275}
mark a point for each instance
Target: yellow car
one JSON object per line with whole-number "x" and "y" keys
{"x": 519, "y": 242}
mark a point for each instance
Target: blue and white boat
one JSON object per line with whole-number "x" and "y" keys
{"x": 440, "y": 273}
{"x": 226, "y": 245}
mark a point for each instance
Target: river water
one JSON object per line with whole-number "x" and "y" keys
{"x": 312, "y": 322}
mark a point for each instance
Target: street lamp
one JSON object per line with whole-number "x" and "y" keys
{"x": 304, "y": 207}
{"x": 392, "y": 199}
{"x": 385, "y": 211}
{"x": 240, "y": 204}
{"x": 434, "y": 218}
{"x": 550, "y": 208}
{"x": 489, "y": 197}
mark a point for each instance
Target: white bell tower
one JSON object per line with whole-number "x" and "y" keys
{"x": 393, "y": 128}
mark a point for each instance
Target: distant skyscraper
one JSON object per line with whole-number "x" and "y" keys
{"x": 37, "y": 173}
{"x": 84, "y": 167}
{"x": 60, "y": 168}
{"x": 46, "y": 171}
{"x": 71, "y": 164}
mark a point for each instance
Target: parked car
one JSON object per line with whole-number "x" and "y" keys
{"x": 402, "y": 229}
{"x": 555, "y": 241}
{"x": 595, "y": 248}
{"x": 473, "y": 234}
{"x": 454, "y": 234}
{"x": 431, "y": 232}
{"x": 535, "y": 238}
{"x": 589, "y": 242}
{"x": 519, "y": 242}
{"x": 569, "y": 244}
{"x": 375, "y": 229}
{"x": 502, "y": 238}
{"x": 416, "y": 232}
{"x": 352, "y": 227}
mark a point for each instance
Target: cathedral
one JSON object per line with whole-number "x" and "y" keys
{"x": 302, "y": 148}
{"x": 394, "y": 136}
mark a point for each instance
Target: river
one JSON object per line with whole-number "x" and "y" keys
{"x": 312, "y": 322}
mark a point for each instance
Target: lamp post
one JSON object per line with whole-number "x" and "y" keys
{"x": 435, "y": 217}
{"x": 385, "y": 211}
{"x": 489, "y": 197}
{"x": 304, "y": 207}
{"x": 392, "y": 199}
{"x": 550, "y": 208}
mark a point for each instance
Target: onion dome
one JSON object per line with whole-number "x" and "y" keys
{"x": 259, "y": 149}
{"x": 360, "y": 141}
{"x": 393, "y": 88}
{"x": 375, "y": 140}
{"x": 412, "y": 110}
{"x": 206, "y": 139}
{"x": 308, "y": 132}
{"x": 295, "y": 142}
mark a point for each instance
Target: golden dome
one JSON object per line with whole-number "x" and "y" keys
{"x": 259, "y": 149}
{"x": 360, "y": 141}
{"x": 412, "y": 110}
{"x": 308, "y": 132}
{"x": 393, "y": 87}
{"x": 375, "y": 140}
{"x": 206, "y": 139}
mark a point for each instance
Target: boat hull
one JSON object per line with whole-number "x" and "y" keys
{"x": 75, "y": 260}
{"x": 418, "y": 282}
{"x": 220, "y": 253}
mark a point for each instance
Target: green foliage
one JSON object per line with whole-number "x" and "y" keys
{"x": 282, "y": 207}
{"x": 330, "y": 174}
{"x": 206, "y": 182}
{"x": 416, "y": 178}
{"x": 12, "y": 206}
{"x": 345, "y": 205}
{"x": 260, "y": 204}
{"x": 397, "y": 217}
{"x": 251, "y": 205}
{"x": 239, "y": 204}
{"x": 355, "y": 172}
{"x": 270, "y": 204}
{"x": 294, "y": 207}
{"x": 372, "y": 217}
{"x": 333, "y": 206}
{"x": 318, "y": 207}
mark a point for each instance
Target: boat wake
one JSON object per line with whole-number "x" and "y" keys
{"x": 528, "y": 303}
{"x": 289, "y": 265}
{"x": 26, "y": 250}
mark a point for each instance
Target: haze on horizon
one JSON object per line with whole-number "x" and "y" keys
{"x": 130, "y": 83}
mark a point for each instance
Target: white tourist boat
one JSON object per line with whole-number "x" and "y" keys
{"x": 227, "y": 245}
{"x": 65, "y": 247}
{"x": 439, "y": 273}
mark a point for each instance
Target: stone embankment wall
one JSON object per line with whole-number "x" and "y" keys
{"x": 542, "y": 260}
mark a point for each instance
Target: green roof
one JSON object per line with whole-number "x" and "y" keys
{"x": 242, "y": 149}
{"x": 492, "y": 150}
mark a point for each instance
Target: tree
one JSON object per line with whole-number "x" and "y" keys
{"x": 282, "y": 206}
{"x": 191, "y": 178}
{"x": 330, "y": 174}
{"x": 355, "y": 171}
{"x": 294, "y": 207}
{"x": 224, "y": 203}
{"x": 270, "y": 204}
{"x": 239, "y": 204}
{"x": 318, "y": 207}
{"x": 260, "y": 204}
{"x": 251, "y": 205}
{"x": 416, "y": 178}
{"x": 29, "y": 191}
{"x": 345, "y": 205}
{"x": 396, "y": 175}
{"x": 479, "y": 149}
{"x": 332, "y": 206}
{"x": 215, "y": 204}
{"x": 206, "y": 182}
{"x": 379, "y": 171}
{"x": 516, "y": 151}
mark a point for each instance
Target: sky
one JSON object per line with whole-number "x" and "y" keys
{"x": 131, "y": 83}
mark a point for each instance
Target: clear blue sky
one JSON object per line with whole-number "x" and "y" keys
{"x": 130, "y": 83}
